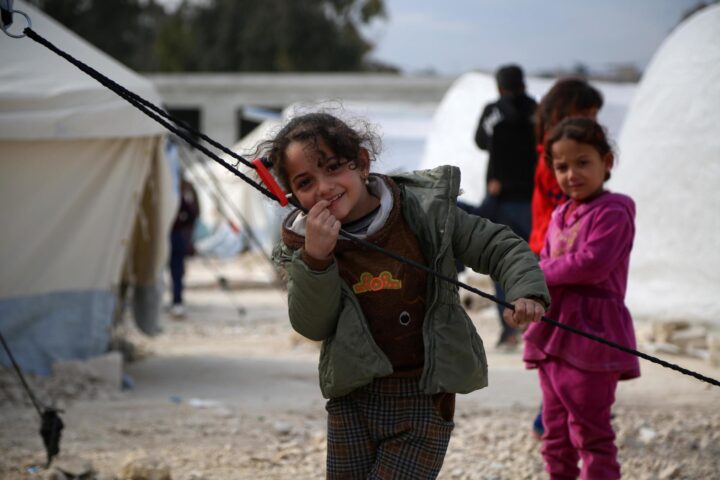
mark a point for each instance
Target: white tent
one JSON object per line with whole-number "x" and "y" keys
{"x": 670, "y": 165}
{"x": 85, "y": 197}
{"x": 225, "y": 196}
{"x": 452, "y": 138}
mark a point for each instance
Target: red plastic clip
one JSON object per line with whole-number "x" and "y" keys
{"x": 269, "y": 181}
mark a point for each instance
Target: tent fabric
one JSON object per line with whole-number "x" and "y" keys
{"x": 79, "y": 216}
{"x": 670, "y": 164}
{"x": 86, "y": 201}
{"x": 262, "y": 214}
{"x": 71, "y": 207}
{"x": 43, "y": 329}
{"x": 44, "y": 96}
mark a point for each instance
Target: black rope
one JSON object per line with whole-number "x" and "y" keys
{"x": 142, "y": 105}
{"x": 29, "y": 391}
{"x": 51, "y": 424}
{"x": 133, "y": 99}
{"x": 218, "y": 193}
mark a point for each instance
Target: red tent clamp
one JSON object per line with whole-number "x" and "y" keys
{"x": 269, "y": 180}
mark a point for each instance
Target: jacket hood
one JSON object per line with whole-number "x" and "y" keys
{"x": 516, "y": 108}
{"x": 606, "y": 199}
{"x": 610, "y": 198}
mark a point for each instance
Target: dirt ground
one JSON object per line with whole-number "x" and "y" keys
{"x": 224, "y": 394}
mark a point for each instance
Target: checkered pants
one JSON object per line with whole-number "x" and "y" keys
{"x": 386, "y": 430}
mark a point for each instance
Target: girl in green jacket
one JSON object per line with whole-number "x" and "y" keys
{"x": 397, "y": 345}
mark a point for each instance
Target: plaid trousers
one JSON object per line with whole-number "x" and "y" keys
{"x": 386, "y": 430}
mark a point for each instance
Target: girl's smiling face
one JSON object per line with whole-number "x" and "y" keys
{"x": 579, "y": 169}
{"x": 332, "y": 179}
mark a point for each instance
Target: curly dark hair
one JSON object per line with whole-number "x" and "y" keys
{"x": 315, "y": 128}
{"x": 582, "y": 130}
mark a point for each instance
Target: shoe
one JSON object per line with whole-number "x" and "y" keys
{"x": 178, "y": 310}
{"x": 538, "y": 428}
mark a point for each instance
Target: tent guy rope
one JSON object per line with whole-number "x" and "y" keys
{"x": 184, "y": 131}
{"x": 51, "y": 424}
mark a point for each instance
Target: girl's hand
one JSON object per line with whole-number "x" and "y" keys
{"x": 321, "y": 231}
{"x": 526, "y": 311}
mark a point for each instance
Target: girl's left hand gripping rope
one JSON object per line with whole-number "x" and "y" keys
{"x": 261, "y": 166}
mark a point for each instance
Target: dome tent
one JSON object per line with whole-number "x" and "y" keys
{"x": 669, "y": 152}
{"x": 452, "y": 136}
{"x": 85, "y": 195}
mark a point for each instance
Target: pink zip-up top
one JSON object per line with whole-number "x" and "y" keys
{"x": 585, "y": 261}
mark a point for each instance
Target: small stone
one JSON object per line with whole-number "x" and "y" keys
{"x": 282, "y": 428}
{"x": 713, "y": 340}
{"x": 145, "y": 468}
{"x": 53, "y": 474}
{"x": 669, "y": 472}
{"x": 647, "y": 434}
{"x": 73, "y": 466}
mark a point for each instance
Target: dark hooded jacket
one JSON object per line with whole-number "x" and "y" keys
{"x": 506, "y": 132}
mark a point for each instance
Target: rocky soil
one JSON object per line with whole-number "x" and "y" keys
{"x": 203, "y": 404}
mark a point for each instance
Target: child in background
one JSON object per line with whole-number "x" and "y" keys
{"x": 569, "y": 97}
{"x": 397, "y": 344}
{"x": 585, "y": 261}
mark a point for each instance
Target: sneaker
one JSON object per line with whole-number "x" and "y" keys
{"x": 538, "y": 428}
{"x": 178, "y": 310}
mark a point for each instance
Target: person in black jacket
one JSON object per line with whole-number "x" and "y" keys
{"x": 506, "y": 132}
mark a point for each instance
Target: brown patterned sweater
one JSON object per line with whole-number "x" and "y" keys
{"x": 391, "y": 294}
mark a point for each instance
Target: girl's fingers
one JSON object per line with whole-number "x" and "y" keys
{"x": 526, "y": 311}
{"x": 330, "y": 220}
{"x": 521, "y": 312}
{"x": 318, "y": 207}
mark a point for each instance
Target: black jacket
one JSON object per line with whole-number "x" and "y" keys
{"x": 506, "y": 131}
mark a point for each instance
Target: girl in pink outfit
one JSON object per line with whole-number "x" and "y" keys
{"x": 585, "y": 262}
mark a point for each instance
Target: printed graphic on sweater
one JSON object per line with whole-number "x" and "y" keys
{"x": 564, "y": 241}
{"x": 370, "y": 283}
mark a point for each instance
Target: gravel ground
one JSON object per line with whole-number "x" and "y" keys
{"x": 226, "y": 443}
{"x": 222, "y": 423}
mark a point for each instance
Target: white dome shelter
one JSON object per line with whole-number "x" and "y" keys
{"x": 451, "y": 140}
{"x": 669, "y": 163}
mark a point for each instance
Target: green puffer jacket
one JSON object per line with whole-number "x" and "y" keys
{"x": 323, "y": 307}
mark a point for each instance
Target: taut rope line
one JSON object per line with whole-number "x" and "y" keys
{"x": 154, "y": 112}
{"x": 139, "y": 103}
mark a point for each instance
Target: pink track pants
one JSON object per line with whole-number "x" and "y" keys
{"x": 576, "y": 414}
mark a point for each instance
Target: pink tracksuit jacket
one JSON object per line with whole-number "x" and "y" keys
{"x": 585, "y": 261}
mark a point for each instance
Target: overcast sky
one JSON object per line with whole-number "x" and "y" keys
{"x": 456, "y": 36}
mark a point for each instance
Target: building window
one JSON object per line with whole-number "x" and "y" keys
{"x": 249, "y": 117}
{"x": 190, "y": 116}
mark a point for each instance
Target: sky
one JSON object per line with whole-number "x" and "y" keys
{"x": 455, "y": 36}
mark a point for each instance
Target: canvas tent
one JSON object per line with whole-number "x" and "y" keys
{"x": 670, "y": 165}
{"x": 85, "y": 198}
{"x": 225, "y": 196}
